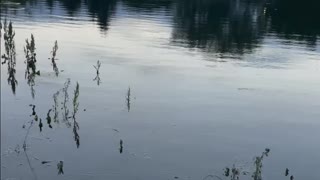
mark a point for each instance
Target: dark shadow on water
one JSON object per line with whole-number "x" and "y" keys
{"x": 102, "y": 10}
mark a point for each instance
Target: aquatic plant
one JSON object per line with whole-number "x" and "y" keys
{"x": 121, "y": 146}
{"x": 9, "y": 43}
{"x": 56, "y": 107}
{"x": 235, "y": 172}
{"x": 30, "y": 55}
{"x": 31, "y": 68}
{"x": 65, "y": 101}
{"x": 128, "y": 99}
{"x": 257, "y": 174}
{"x": 60, "y": 167}
{"x": 10, "y": 54}
{"x": 75, "y": 110}
{"x": 97, "y": 67}
{"x": 53, "y": 58}
{"x": 0, "y": 37}
{"x": 75, "y": 100}
{"x": 49, "y": 118}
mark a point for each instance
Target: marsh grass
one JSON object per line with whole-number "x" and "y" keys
{"x": 10, "y": 53}
{"x": 53, "y": 58}
{"x": 97, "y": 67}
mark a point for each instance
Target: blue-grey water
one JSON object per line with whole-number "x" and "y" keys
{"x": 212, "y": 84}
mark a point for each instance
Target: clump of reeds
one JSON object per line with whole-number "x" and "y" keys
{"x": 53, "y": 58}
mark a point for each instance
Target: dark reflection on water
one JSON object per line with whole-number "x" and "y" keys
{"x": 102, "y": 10}
{"x": 223, "y": 26}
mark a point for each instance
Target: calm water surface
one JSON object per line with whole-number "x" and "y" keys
{"x": 212, "y": 83}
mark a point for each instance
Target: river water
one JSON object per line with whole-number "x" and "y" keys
{"x": 185, "y": 89}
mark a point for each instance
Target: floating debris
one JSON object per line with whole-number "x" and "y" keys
{"x": 116, "y": 130}
{"x": 45, "y": 162}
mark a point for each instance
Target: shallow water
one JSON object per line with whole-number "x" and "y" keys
{"x": 212, "y": 83}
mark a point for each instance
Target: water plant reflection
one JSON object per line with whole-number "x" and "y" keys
{"x": 31, "y": 68}
{"x": 97, "y": 67}
{"x": 128, "y": 99}
{"x": 10, "y": 54}
{"x": 53, "y": 58}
